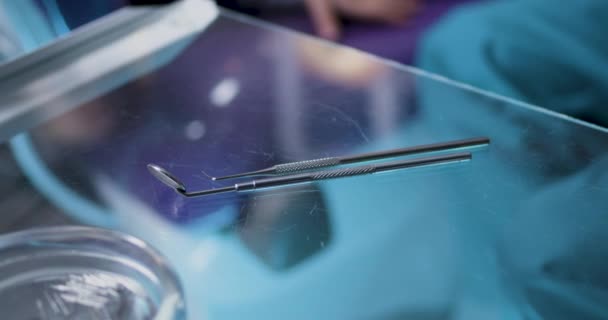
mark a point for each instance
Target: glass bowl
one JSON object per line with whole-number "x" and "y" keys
{"x": 85, "y": 273}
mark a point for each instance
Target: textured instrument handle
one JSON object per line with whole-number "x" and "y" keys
{"x": 306, "y": 165}
{"x": 347, "y": 172}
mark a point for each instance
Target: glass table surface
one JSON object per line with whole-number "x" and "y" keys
{"x": 518, "y": 232}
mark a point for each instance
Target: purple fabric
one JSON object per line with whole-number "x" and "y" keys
{"x": 397, "y": 43}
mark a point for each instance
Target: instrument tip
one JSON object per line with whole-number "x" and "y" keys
{"x": 231, "y": 176}
{"x": 166, "y": 177}
{"x": 243, "y": 174}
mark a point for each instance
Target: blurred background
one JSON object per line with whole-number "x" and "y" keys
{"x": 553, "y": 56}
{"x": 319, "y": 100}
{"x": 549, "y": 55}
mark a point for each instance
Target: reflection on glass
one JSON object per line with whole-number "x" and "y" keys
{"x": 285, "y": 228}
{"x": 518, "y": 230}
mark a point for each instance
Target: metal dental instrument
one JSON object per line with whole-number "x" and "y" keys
{"x": 294, "y": 167}
{"x": 167, "y": 178}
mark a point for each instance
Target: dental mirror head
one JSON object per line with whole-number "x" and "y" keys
{"x": 167, "y": 178}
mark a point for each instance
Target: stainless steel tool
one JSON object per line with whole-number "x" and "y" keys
{"x": 294, "y": 167}
{"x": 170, "y": 180}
